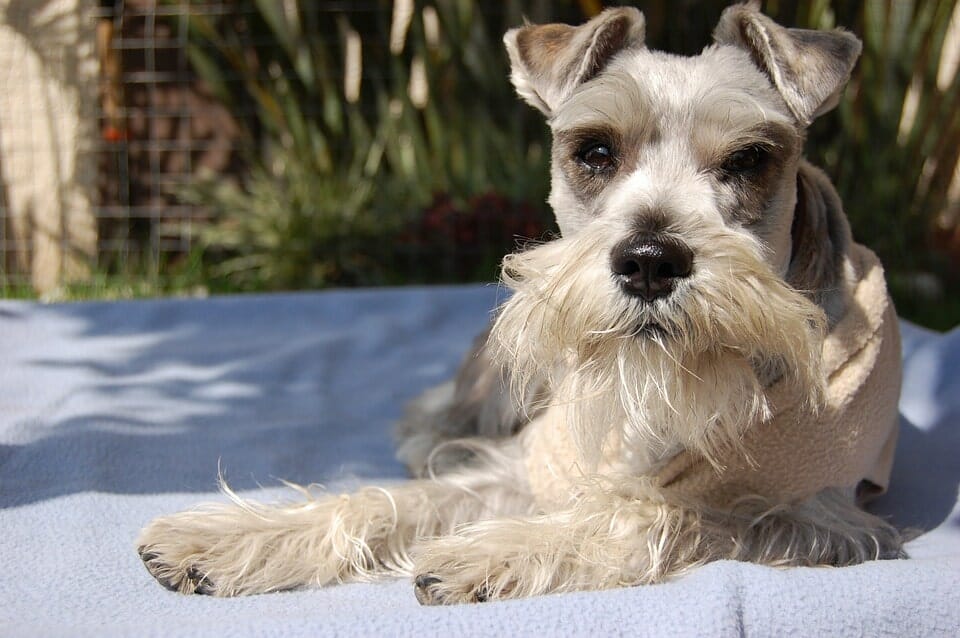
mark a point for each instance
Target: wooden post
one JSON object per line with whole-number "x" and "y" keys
{"x": 48, "y": 117}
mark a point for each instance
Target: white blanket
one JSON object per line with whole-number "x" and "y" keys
{"x": 113, "y": 413}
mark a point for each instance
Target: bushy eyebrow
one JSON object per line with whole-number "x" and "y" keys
{"x": 713, "y": 143}
{"x": 600, "y": 132}
{"x": 768, "y": 134}
{"x": 614, "y": 99}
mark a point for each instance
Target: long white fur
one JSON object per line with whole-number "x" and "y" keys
{"x": 244, "y": 547}
{"x": 691, "y": 381}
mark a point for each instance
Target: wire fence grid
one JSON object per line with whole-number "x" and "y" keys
{"x": 144, "y": 127}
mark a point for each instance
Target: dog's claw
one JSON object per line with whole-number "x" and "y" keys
{"x": 150, "y": 562}
{"x": 428, "y": 590}
{"x": 201, "y": 584}
{"x": 423, "y": 589}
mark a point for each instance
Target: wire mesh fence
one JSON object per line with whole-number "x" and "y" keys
{"x": 157, "y": 129}
{"x": 108, "y": 115}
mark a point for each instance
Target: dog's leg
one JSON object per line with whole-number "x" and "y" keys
{"x": 827, "y": 529}
{"x": 606, "y": 537}
{"x": 615, "y": 537}
{"x": 246, "y": 548}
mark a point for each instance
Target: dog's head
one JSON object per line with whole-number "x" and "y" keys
{"x": 699, "y": 253}
{"x": 653, "y": 139}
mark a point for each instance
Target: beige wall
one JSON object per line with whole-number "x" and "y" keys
{"x": 48, "y": 127}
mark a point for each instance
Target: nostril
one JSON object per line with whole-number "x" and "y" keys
{"x": 626, "y": 266}
{"x": 675, "y": 264}
{"x": 666, "y": 270}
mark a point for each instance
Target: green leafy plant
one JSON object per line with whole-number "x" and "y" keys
{"x": 893, "y": 146}
{"x": 344, "y": 163}
{"x": 390, "y": 169}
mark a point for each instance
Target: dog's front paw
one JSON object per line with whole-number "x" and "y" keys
{"x": 189, "y": 579}
{"x": 178, "y": 556}
{"x": 220, "y": 550}
{"x": 454, "y": 570}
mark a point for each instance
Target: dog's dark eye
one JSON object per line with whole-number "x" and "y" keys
{"x": 596, "y": 156}
{"x": 746, "y": 159}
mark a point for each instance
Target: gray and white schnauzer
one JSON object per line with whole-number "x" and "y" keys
{"x": 704, "y": 366}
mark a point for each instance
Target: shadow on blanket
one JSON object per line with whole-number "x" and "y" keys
{"x": 925, "y": 477}
{"x": 926, "y": 474}
{"x": 149, "y": 398}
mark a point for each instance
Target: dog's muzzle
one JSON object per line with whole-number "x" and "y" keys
{"x": 648, "y": 265}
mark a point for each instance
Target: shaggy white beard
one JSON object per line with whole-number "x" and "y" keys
{"x": 684, "y": 372}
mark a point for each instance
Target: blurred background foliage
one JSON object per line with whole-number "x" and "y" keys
{"x": 388, "y": 146}
{"x": 381, "y": 142}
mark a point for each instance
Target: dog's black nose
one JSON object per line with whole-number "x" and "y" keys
{"x": 648, "y": 265}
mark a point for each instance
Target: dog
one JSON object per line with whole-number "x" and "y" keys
{"x": 703, "y": 365}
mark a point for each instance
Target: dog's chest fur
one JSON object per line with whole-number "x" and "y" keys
{"x": 794, "y": 453}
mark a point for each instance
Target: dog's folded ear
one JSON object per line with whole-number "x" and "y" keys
{"x": 548, "y": 61}
{"x": 820, "y": 238}
{"x": 809, "y": 68}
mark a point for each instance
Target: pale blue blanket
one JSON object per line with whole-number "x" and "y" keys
{"x": 113, "y": 413}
